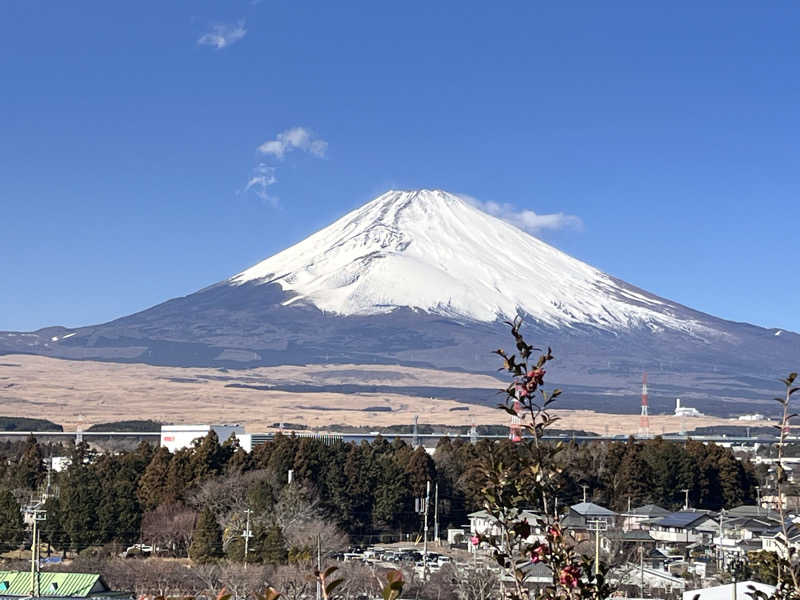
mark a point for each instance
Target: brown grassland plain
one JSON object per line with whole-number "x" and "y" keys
{"x": 73, "y": 393}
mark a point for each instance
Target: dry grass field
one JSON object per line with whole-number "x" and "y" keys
{"x": 74, "y": 393}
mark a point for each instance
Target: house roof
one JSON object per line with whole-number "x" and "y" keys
{"x": 748, "y": 510}
{"x": 649, "y": 510}
{"x": 633, "y": 535}
{"x": 523, "y": 514}
{"x": 681, "y": 519}
{"x": 752, "y": 524}
{"x": 724, "y": 592}
{"x": 590, "y": 509}
{"x": 52, "y": 585}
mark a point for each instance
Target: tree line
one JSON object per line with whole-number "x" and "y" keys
{"x": 198, "y": 500}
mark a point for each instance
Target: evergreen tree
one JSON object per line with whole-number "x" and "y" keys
{"x": 272, "y": 548}
{"x": 635, "y": 479}
{"x": 152, "y": 486}
{"x": 80, "y": 496}
{"x": 207, "y": 538}
{"x": 12, "y": 526}
{"x": 179, "y": 476}
{"x": 30, "y": 470}
{"x": 208, "y": 459}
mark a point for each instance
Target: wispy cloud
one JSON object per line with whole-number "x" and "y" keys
{"x": 223, "y": 35}
{"x": 261, "y": 178}
{"x": 298, "y": 138}
{"x": 525, "y": 218}
{"x": 264, "y": 175}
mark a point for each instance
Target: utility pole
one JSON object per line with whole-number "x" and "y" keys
{"x": 247, "y": 535}
{"x": 425, "y": 536}
{"x": 584, "y": 486}
{"x": 37, "y": 514}
{"x": 436, "y": 514}
{"x": 319, "y": 566}
{"x": 597, "y": 525}
{"x": 721, "y": 559}
{"x": 641, "y": 570}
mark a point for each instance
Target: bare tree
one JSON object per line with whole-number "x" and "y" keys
{"x": 169, "y": 526}
{"x": 302, "y": 522}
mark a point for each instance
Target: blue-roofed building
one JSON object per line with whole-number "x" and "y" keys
{"x": 685, "y": 527}
{"x": 579, "y": 518}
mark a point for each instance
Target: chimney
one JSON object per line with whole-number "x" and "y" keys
{"x": 677, "y": 403}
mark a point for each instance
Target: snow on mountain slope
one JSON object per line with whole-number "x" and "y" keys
{"x": 433, "y": 251}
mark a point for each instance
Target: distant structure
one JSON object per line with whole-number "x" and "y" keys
{"x": 415, "y": 440}
{"x": 753, "y": 417}
{"x": 175, "y": 437}
{"x": 644, "y": 420}
{"x": 685, "y": 411}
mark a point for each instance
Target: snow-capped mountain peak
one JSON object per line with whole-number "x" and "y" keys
{"x": 433, "y": 251}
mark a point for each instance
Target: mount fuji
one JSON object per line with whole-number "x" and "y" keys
{"x": 426, "y": 278}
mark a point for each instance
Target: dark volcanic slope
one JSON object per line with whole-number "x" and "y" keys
{"x": 243, "y": 326}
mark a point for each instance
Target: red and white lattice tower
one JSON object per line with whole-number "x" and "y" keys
{"x": 515, "y": 429}
{"x": 644, "y": 420}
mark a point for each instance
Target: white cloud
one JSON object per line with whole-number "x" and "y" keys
{"x": 262, "y": 177}
{"x": 264, "y": 174}
{"x": 222, "y": 35}
{"x": 296, "y": 138}
{"x": 527, "y": 219}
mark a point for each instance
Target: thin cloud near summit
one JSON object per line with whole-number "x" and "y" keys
{"x": 526, "y": 219}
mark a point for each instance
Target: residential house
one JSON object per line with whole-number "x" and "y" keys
{"x": 483, "y": 523}
{"x": 774, "y": 540}
{"x": 641, "y": 517}
{"x": 581, "y": 519}
{"x": 685, "y": 527}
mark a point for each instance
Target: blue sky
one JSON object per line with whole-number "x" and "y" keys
{"x": 129, "y": 133}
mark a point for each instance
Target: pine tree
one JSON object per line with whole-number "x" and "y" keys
{"x": 207, "y": 538}
{"x": 12, "y": 526}
{"x": 30, "y": 471}
{"x": 80, "y": 496}
{"x": 152, "y": 485}
{"x": 208, "y": 459}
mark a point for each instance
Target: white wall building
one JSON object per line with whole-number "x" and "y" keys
{"x": 727, "y": 591}
{"x": 685, "y": 411}
{"x": 175, "y": 437}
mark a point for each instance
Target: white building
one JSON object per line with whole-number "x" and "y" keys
{"x": 728, "y": 592}
{"x": 685, "y": 411}
{"x": 482, "y": 523}
{"x": 175, "y": 437}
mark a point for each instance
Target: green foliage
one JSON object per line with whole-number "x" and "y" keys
{"x": 271, "y": 546}
{"x": 12, "y": 527}
{"x": 28, "y": 424}
{"x": 152, "y": 488}
{"x": 207, "y": 538}
{"x": 132, "y": 425}
{"x": 30, "y": 470}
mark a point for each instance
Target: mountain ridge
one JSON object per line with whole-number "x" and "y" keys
{"x": 369, "y": 288}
